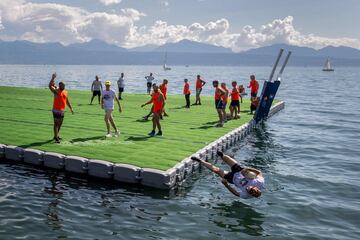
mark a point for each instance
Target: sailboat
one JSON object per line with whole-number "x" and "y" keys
{"x": 165, "y": 67}
{"x": 327, "y": 66}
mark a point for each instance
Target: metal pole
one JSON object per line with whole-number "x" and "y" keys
{"x": 275, "y": 66}
{"x": 283, "y": 66}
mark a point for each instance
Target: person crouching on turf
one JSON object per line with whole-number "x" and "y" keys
{"x": 60, "y": 101}
{"x": 235, "y": 104}
{"x": 254, "y": 104}
{"x": 158, "y": 101}
{"x": 219, "y": 104}
{"x": 107, "y": 103}
{"x": 187, "y": 93}
{"x": 225, "y": 99}
{"x": 163, "y": 88}
{"x": 248, "y": 181}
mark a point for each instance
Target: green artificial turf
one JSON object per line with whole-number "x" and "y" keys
{"x": 26, "y": 121}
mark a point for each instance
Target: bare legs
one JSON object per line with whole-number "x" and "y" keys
{"x": 109, "y": 120}
{"x": 57, "y": 126}
{"x": 221, "y": 117}
{"x": 197, "y": 98}
{"x": 227, "y": 159}
{"x": 156, "y": 124}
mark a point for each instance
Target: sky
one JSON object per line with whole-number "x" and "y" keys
{"x": 235, "y": 24}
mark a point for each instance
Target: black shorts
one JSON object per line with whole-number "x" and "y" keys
{"x": 58, "y": 115}
{"x": 121, "y": 89}
{"x": 97, "y": 93}
{"x": 234, "y": 169}
{"x": 219, "y": 104}
{"x": 149, "y": 84}
{"x": 253, "y": 94}
{"x": 235, "y": 103}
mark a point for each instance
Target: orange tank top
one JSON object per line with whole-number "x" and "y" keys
{"x": 186, "y": 88}
{"x": 226, "y": 96}
{"x": 218, "y": 95}
{"x": 163, "y": 89}
{"x": 156, "y": 101}
{"x": 235, "y": 95}
{"x": 60, "y": 100}
{"x": 199, "y": 84}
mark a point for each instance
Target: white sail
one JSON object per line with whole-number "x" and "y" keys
{"x": 165, "y": 67}
{"x": 327, "y": 66}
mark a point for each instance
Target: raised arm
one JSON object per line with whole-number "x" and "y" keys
{"x": 231, "y": 189}
{"x": 52, "y": 85}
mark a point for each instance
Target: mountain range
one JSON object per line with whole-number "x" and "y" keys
{"x": 183, "y": 52}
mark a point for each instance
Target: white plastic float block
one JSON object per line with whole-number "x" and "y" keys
{"x": 157, "y": 178}
{"x": 54, "y": 160}
{"x": 188, "y": 163}
{"x": 14, "y": 153}
{"x": 180, "y": 172}
{"x": 76, "y": 164}
{"x": 34, "y": 156}
{"x": 100, "y": 169}
{"x": 126, "y": 173}
{"x": 2, "y": 151}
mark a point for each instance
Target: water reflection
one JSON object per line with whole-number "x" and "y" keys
{"x": 238, "y": 217}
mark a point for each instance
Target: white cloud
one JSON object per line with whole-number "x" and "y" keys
{"x": 217, "y": 33}
{"x": 49, "y": 22}
{"x": 109, "y": 2}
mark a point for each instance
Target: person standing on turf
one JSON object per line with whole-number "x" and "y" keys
{"x": 121, "y": 85}
{"x": 96, "y": 89}
{"x": 235, "y": 101}
{"x": 219, "y": 103}
{"x": 187, "y": 93}
{"x": 254, "y": 86}
{"x": 225, "y": 99}
{"x": 60, "y": 101}
{"x": 158, "y": 101}
{"x": 163, "y": 88}
{"x": 149, "y": 80}
{"x": 199, "y": 85}
{"x": 242, "y": 92}
{"x": 248, "y": 181}
{"x": 107, "y": 103}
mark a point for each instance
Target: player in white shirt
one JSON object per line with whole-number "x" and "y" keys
{"x": 96, "y": 89}
{"x": 149, "y": 82}
{"x": 107, "y": 103}
{"x": 121, "y": 85}
{"x": 248, "y": 181}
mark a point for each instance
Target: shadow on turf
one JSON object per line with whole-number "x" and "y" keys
{"x": 86, "y": 139}
{"x": 36, "y": 144}
{"x": 140, "y": 138}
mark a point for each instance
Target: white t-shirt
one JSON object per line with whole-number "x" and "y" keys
{"x": 121, "y": 83}
{"x": 109, "y": 97}
{"x": 96, "y": 86}
{"x": 242, "y": 183}
{"x": 149, "y": 79}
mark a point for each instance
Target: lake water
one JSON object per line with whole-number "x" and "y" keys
{"x": 309, "y": 154}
